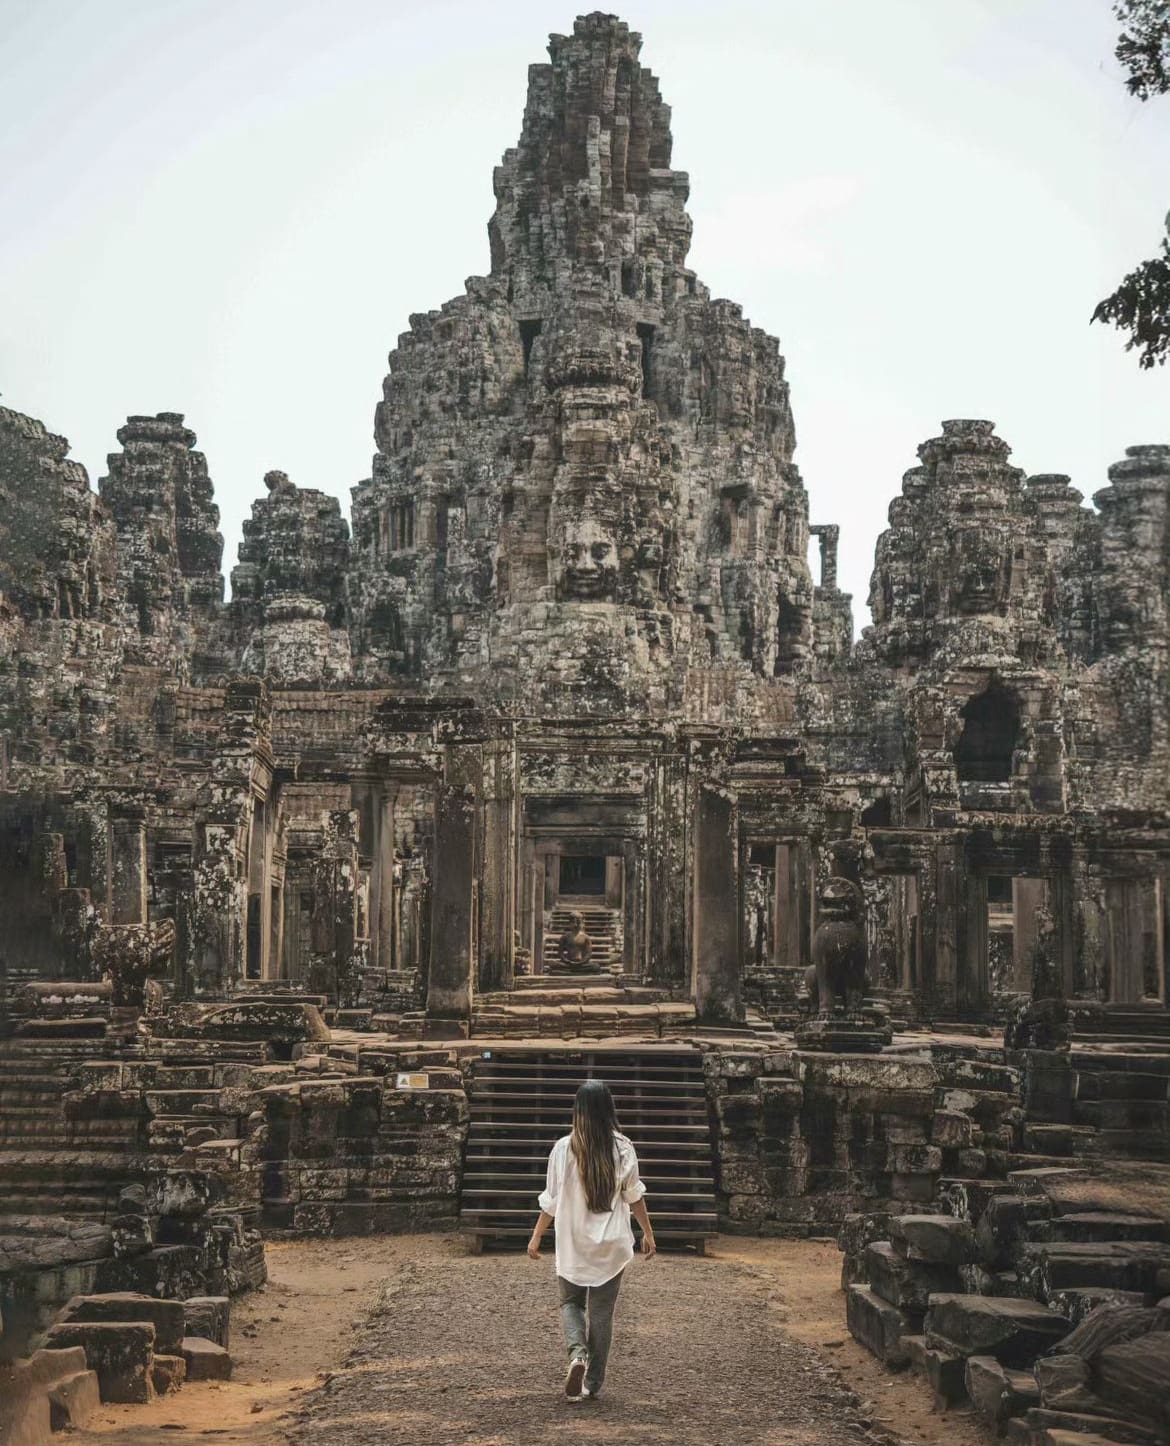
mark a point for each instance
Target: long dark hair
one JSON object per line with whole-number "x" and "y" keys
{"x": 594, "y": 1126}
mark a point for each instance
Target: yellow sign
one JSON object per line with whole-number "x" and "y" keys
{"x": 412, "y": 1081}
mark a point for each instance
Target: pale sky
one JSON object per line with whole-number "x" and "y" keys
{"x": 229, "y": 208}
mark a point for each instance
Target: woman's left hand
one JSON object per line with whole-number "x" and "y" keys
{"x": 649, "y": 1248}
{"x": 534, "y": 1248}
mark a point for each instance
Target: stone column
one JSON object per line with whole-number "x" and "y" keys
{"x": 972, "y": 986}
{"x": 942, "y": 992}
{"x": 1027, "y": 895}
{"x": 382, "y": 900}
{"x": 666, "y": 884}
{"x": 127, "y": 869}
{"x": 449, "y": 991}
{"x": 498, "y": 896}
{"x": 715, "y": 906}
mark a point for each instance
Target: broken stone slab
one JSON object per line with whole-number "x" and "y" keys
{"x": 969, "y": 1198}
{"x": 858, "y": 1231}
{"x": 997, "y": 1392}
{"x": 1015, "y": 1332}
{"x": 165, "y": 1315}
{"x": 1064, "y": 1383}
{"x": 879, "y": 1326}
{"x": 25, "y": 1387}
{"x": 1049, "y": 1267}
{"x": 205, "y": 1360}
{"x": 73, "y": 1400}
{"x": 285, "y": 1024}
{"x": 1135, "y": 1375}
{"x": 1103, "y": 1226}
{"x": 951, "y": 1129}
{"x": 120, "y": 1352}
{"x": 208, "y": 1316}
{"x": 942, "y": 1370}
{"x": 1112, "y": 1324}
{"x": 1005, "y": 1224}
{"x": 1076, "y": 1428}
{"x": 906, "y": 1283}
{"x": 938, "y": 1239}
{"x": 1077, "y": 1304}
{"x": 167, "y": 1374}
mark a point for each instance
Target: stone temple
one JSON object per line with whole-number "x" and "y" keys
{"x": 567, "y": 676}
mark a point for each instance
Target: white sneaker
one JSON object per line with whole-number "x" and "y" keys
{"x": 574, "y": 1377}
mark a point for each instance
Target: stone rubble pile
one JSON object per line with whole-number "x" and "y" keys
{"x": 1045, "y": 1305}
{"x": 119, "y": 1347}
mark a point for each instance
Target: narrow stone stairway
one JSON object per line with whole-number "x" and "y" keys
{"x": 522, "y": 1102}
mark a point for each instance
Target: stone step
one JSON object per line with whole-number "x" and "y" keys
{"x": 520, "y": 1105}
{"x": 1102, "y": 1226}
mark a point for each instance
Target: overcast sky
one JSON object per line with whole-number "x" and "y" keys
{"x": 229, "y": 208}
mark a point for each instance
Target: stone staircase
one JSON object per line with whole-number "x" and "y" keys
{"x": 522, "y": 1103}
{"x": 576, "y": 1006}
{"x": 604, "y": 927}
{"x": 1138, "y": 1025}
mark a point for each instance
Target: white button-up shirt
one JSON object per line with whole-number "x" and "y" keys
{"x": 591, "y": 1247}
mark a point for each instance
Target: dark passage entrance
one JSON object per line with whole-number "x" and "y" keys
{"x": 583, "y": 875}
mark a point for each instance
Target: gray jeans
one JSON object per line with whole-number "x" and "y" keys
{"x": 589, "y": 1339}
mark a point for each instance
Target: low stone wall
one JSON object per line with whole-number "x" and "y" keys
{"x": 802, "y": 1139}
{"x": 356, "y": 1156}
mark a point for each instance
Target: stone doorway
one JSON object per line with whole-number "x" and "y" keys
{"x": 597, "y": 878}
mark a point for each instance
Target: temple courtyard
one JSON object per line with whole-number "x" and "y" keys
{"x": 416, "y": 1339}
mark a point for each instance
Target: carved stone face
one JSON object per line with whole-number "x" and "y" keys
{"x": 588, "y": 562}
{"x": 981, "y": 571}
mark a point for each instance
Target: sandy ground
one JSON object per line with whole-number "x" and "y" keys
{"x": 413, "y": 1339}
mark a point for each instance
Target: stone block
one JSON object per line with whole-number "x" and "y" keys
{"x": 903, "y": 1282}
{"x": 950, "y": 1129}
{"x": 25, "y": 1385}
{"x": 120, "y": 1352}
{"x": 1135, "y": 1377}
{"x": 939, "y": 1239}
{"x": 1086, "y": 1428}
{"x": 208, "y": 1316}
{"x": 1064, "y": 1383}
{"x": 913, "y": 1159}
{"x": 868, "y": 1073}
{"x": 1015, "y": 1332}
{"x": 997, "y": 1392}
{"x": 165, "y": 1315}
{"x": 205, "y": 1360}
{"x": 879, "y": 1326}
{"x": 73, "y": 1400}
{"x": 943, "y": 1371}
{"x": 168, "y": 1374}
{"x": 1051, "y": 1267}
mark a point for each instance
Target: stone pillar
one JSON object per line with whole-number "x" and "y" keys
{"x": 1060, "y": 904}
{"x": 944, "y": 977}
{"x": 973, "y": 986}
{"x": 449, "y": 991}
{"x": 1027, "y": 895}
{"x": 127, "y": 869}
{"x": 715, "y": 906}
{"x": 666, "y": 878}
{"x": 382, "y": 899}
{"x": 498, "y": 896}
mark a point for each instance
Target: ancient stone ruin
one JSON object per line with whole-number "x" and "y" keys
{"x": 559, "y": 759}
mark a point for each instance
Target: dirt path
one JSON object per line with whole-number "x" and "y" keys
{"x": 412, "y": 1339}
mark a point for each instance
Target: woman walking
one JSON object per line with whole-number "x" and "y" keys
{"x": 592, "y": 1188}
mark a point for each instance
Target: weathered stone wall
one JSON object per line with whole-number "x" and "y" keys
{"x": 359, "y": 1156}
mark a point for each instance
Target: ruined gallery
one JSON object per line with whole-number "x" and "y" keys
{"x": 558, "y": 758}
